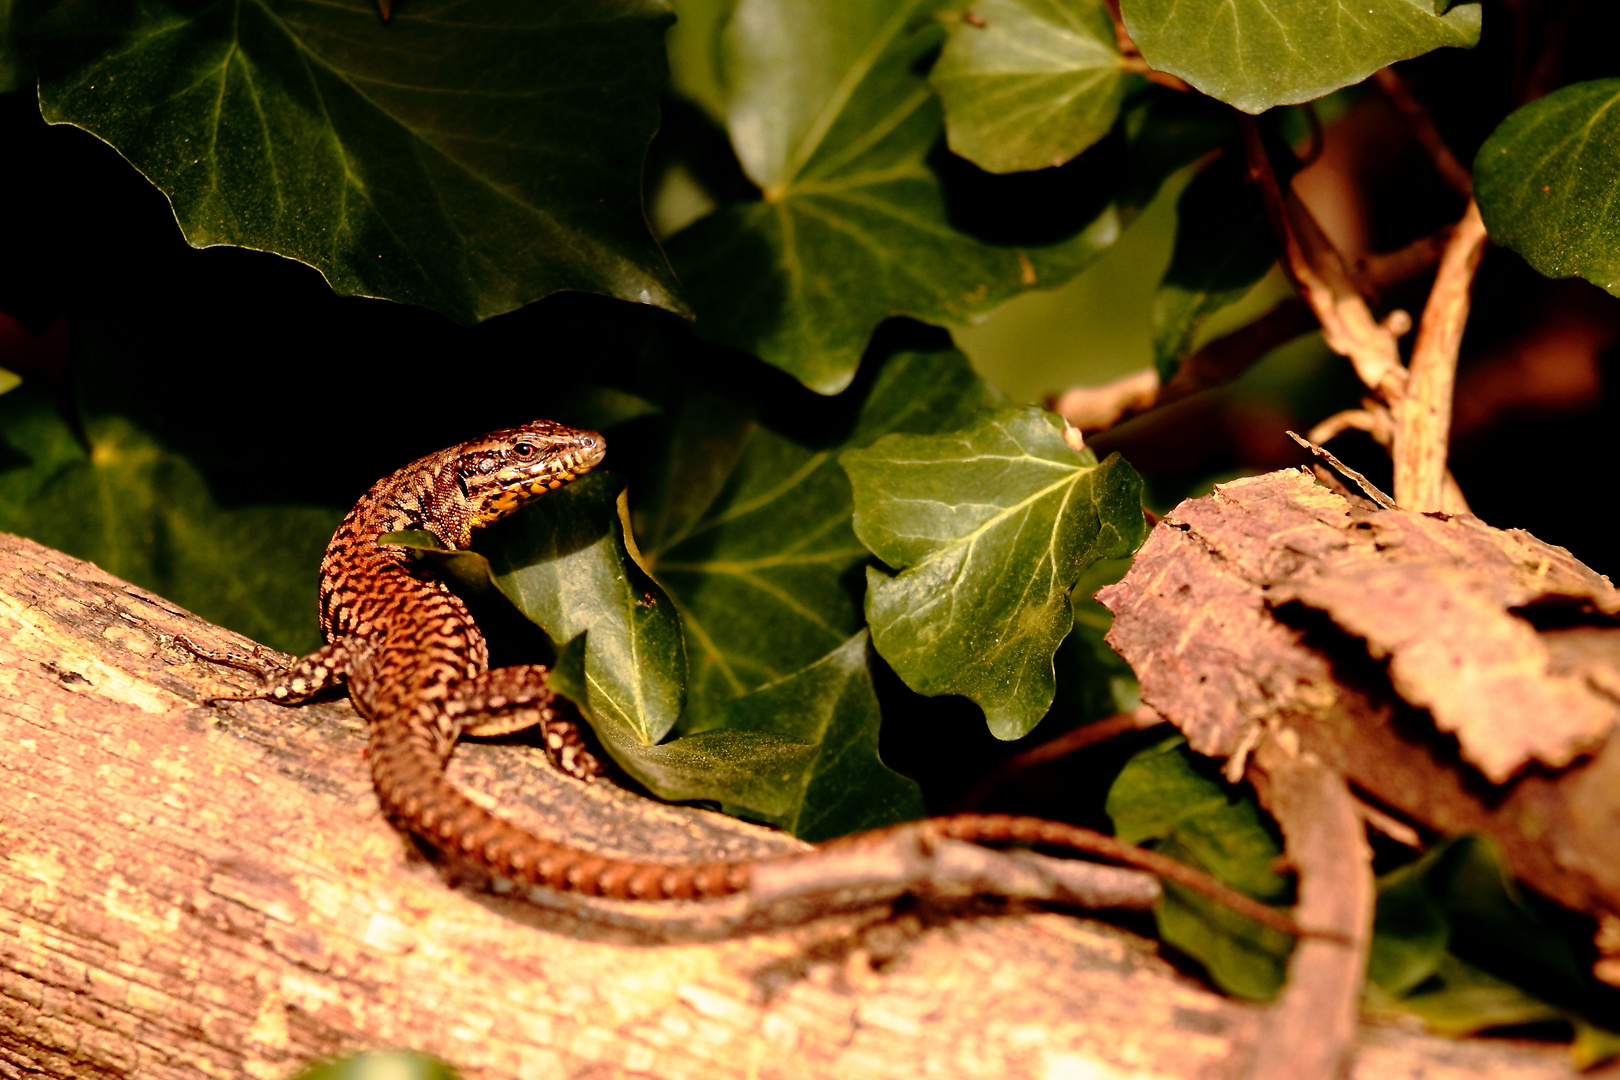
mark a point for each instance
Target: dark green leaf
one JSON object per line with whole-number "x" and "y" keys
{"x": 831, "y": 116}
{"x": 1092, "y": 680}
{"x": 754, "y": 772}
{"x": 800, "y": 753}
{"x": 1167, "y": 792}
{"x": 830, "y": 707}
{"x": 1548, "y": 183}
{"x": 1455, "y": 945}
{"x": 562, "y": 561}
{"x": 749, "y": 529}
{"x": 373, "y": 1065}
{"x": 1029, "y": 84}
{"x": 144, "y": 513}
{"x": 14, "y": 70}
{"x": 1242, "y": 957}
{"x": 9, "y": 380}
{"x": 598, "y": 408}
{"x": 990, "y": 529}
{"x": 1258, "y": 53}
{"x": 1410, "y": 931}
{"x": 1223, "y": 246}
{"x": 1459, "y": 999}
{"x": 467, "y": 163}
{"x": 1171, "y": 797}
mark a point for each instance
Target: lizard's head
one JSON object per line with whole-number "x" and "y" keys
{"x": 505, "y": 469}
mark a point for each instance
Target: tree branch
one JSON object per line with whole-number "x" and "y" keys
{"x": 188, "y": 892}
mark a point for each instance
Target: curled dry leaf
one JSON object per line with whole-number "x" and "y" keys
{"x": 1275, "y": 603}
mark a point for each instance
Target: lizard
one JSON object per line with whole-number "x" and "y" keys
{"x": 416, "y": 667}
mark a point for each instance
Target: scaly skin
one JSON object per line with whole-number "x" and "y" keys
{"x": 417, "y": 668}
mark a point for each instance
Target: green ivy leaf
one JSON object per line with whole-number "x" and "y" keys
{"x": 1166, "y": 796}
{"x": 563, "y": 562}
{"x": 990, "y": 529}
{"x": 750, "y": 528}
{"x": 1459, "y": 999}
{"x": 1455, "y": 945}
{"x": 1258, "y": 53}
{"x": 1410, "y": 930}
{"x": 9, "y": 380}
{"x": 470, "y": 165}
{"x": 800, "y": 753}
{"x": 138, "y": 510}
{"x": 1029, "y": 84}
{"x": 694, "y": 52}
{"x": 1223, "y": 246}
{"x": 831, "y": 116}
{"x": 830, "y": 706}
{"x": 1548, "y": 183}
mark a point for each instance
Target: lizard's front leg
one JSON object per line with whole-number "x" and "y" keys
{"x": 507, "y": 699}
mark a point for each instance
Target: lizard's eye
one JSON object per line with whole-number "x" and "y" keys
{"x": 524, "y": 451}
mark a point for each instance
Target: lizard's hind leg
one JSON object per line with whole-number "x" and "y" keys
{"x": 507, "y": 699}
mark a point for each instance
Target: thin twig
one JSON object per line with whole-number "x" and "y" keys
{"x": 1110, "y": 727}
{"x": 1423, "y": 417}
{"x": 980, "y": 828}
{"x": 1318, "y": 272}
{"x": 1378, "y": 270}
{"x": 1134, "y": 63}
{"x": 1094, "y": 408}
{"x": 1224, "y": 359}
{"x": 1452, "y": 171}
{"x": 1353, "y": 420}
{"x": 1130, "y": 57}
{"x": 1312, "y": 1026}
{"x": 1372, "y": 490}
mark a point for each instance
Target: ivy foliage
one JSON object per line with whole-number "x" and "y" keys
{"x": 802, "y": 525}
{"x": 1548, "y": 182}
{"x": 1259, "y": 53}
{"x": 1028, "y": 84}
{"x": 430, "y": 160}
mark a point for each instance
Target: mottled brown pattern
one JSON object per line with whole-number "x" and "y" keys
{"x": 417, "y": 668}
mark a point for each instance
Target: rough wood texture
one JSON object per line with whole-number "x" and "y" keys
{"x": 1274, "y": 603}
{"x": 187, "y": 892}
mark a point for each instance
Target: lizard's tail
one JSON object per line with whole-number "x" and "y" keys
{"x": 417, "y": 797}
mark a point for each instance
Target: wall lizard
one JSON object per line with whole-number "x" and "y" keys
{"x": 416, "y": 666}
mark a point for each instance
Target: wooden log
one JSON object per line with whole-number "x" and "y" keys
{"x": 190, "y": 891}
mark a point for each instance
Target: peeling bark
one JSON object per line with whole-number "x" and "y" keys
{"x": 187, "y": 891}
{"x": 1402, "y": 649}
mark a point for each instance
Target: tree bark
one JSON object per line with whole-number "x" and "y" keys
{"x": 188, "y": 890}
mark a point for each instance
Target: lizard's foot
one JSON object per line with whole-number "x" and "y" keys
{"x": 567, "y": 749}
{"x": 252, "y": 663}
{"x": 305, "y": 678}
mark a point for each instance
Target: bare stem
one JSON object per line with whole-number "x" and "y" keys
{"x": 1318, "y": 273}
{"x": 1452, "y": 171}
{"x": 1423, "y": 417}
